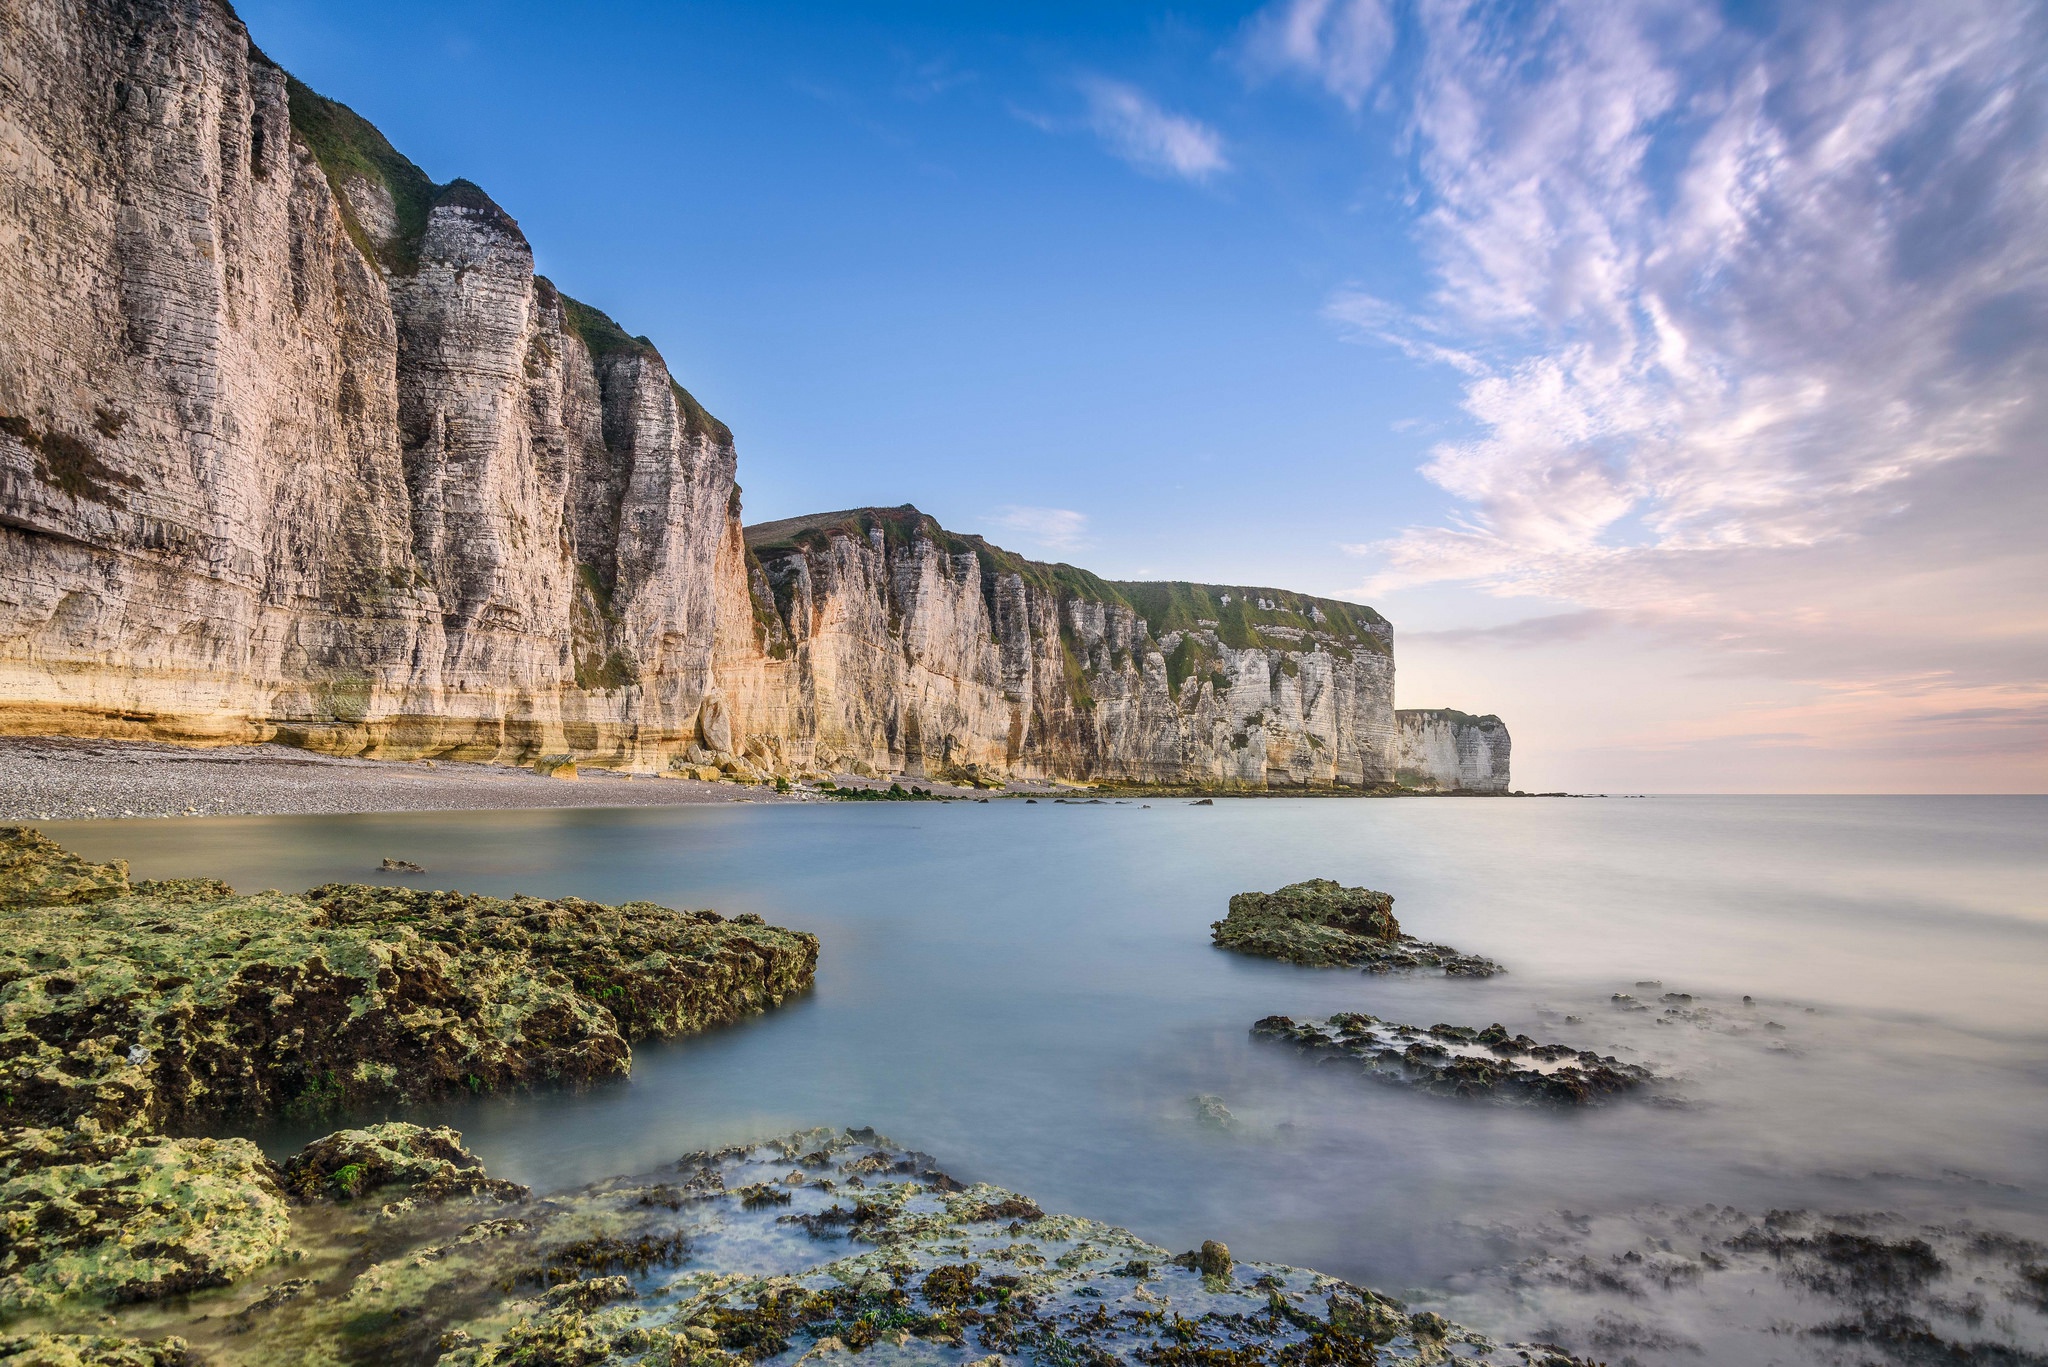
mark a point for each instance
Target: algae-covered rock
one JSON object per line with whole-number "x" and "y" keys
{"x": 91, "y": 1350}
{"x": 131, "y": 1218}
{"x": 1321, "y": 922}
{"x": 36, "y": 871}
{"x": 1456, "y": 1060}
{"x": 875, "y": 1248}
{"x": 353, "y": 1163}
{"x": 182, "y": 1004}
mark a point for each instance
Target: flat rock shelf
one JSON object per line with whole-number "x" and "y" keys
{"x": 1455, "y": 1060}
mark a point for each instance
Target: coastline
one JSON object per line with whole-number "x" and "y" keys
{"x": 66, "y": 778}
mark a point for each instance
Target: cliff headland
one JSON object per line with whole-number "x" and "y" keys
{"x": 296, "y": 446}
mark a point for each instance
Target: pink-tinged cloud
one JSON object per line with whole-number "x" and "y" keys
{"x": 1754, "y": 324}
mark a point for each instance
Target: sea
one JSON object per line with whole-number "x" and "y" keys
{"x": 1846, "y": 999}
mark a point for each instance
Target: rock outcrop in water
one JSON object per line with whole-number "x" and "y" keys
{"x": 1443, "y": 750}
{"x": 176, "y": 1005}
{"x": 818, "y": 1243}
{"x": 294, "y": 445}
{"x": 1323, "y": 923}
{"x": 1456, "y": 1060}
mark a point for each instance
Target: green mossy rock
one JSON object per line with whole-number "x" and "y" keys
{"x": 353, "y": 1163}
{"x": 96, "y": 1216}
{"x": 36, "y": 871}
{"x": 180, "y": 1005}
{"x": 1319, "y": 921}
{"x": 91, "y": 1350}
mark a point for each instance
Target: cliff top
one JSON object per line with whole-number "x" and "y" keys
{"x": 1453, "y": 716}
{"x": 1241, "y": 615}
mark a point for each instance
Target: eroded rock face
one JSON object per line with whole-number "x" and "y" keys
{"x": 183, "y": 1004}
{"x": 294, "y": 444}
{"x": 1323, "y": 923}
{"x": 886, "y": 641}
{"x": 1443, "y": 750}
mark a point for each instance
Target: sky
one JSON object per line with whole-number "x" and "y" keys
{"x": 1670, "y": 372}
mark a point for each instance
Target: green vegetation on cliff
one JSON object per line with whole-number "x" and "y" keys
{"x": 1243, "y": 618}
{"x": 349, "y": 147}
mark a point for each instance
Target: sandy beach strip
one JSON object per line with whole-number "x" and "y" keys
{"x": 50, "y": 778}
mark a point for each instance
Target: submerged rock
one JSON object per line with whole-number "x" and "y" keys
{"x": 1323, "y": 923}
{"x": 399, "y": 866}
{"x": 181, "y": 1004}
{"x": 874, "y": 1248}
{"x": 1453, "y": 1060}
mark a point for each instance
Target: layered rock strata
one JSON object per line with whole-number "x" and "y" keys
{"x": 294, "y": 445}
{"x": 895, "y": 644}
{"x": 1444, "y": 750}
{"x": 293, "y": 442}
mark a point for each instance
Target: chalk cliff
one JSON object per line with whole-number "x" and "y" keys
{"x": 898, "y": 644}
{"x": 295, "y": 445}
{"x": 1447, "y": 751}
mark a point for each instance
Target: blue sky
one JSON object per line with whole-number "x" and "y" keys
{"x": 1664, "y": 369}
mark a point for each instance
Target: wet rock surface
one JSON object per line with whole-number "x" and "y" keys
{"x": 1323, "y": 923}
{"x": 103, "y": 1217}
{"x": 1716, "y": 1284}
{"x": 1456, "y": 1060}
{"x": 182, "y": 1004}
{"x": 869, "y": 1250}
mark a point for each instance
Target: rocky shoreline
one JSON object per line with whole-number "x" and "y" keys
{"x": 392, "y": 1245}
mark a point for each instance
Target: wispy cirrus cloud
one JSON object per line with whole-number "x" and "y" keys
{"x": 1753, "y": 320}
{"x": 1060, "y": 530}
{"x": 1344, "y": 44}
{"x": 1136, "y": 128}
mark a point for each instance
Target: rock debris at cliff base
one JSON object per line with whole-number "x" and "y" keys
{"x": 1456, "y": 1060}
{"x": 181, "y": 1004}
{"x": 53, "y": 778}
{"x": 824, "y": 1243}
{"x": 1322, "y": 923}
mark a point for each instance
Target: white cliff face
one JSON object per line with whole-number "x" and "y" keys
{"x": 293, "y": 443}
{"x": 1442, "y": 750}
{"x": 897, "y": 645}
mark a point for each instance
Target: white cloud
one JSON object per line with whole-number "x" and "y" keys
{"x": 1135, "y": 128}
{"x": 1053, "y": 529}
{"x": 1343, "y": 44}
{"x": 1754, "y": 324}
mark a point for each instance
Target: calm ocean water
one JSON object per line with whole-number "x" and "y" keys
{"x": 1029, "y": 993}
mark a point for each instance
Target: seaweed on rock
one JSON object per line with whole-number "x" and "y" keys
{"x": 1323, "y": 923}
{"x": 174, "y": 1006}
{"x": 604, "y": 1276}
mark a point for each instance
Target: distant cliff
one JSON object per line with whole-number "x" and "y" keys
{"x": 891, "y": 641}
{"x": 295, "y": 445}
{"x": 1446, "y": 751}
